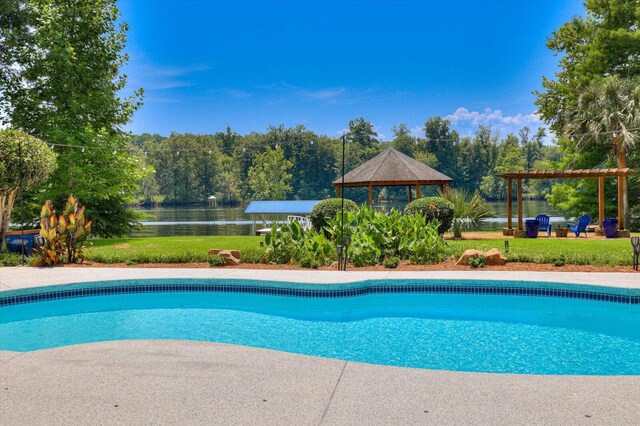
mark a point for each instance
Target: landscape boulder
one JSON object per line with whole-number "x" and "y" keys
{"x": 492, "y": 257}
{"x": 231, "y": 257}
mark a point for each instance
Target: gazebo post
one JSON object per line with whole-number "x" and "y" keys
{"x": 509, "y": 203}
{"x": 601, "y": 201}
{"x": 417, "y": 190}
{"x": 370, "y": 195}
{"x": 519, "y": 202}
{"x": 338, "y": 191}
{"x": 409, "y": 191}
{"x": 621, "y": 202}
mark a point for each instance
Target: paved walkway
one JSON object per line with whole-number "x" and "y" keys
{"x": 185, "y": 382}
{"x": 25, "y": 277}
{"x": 181, "y": 382}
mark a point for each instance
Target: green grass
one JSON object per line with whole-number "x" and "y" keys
{"x": 194, "y": 249}
{"x": 172, "y": 249}
{"x": 575, "y": 251}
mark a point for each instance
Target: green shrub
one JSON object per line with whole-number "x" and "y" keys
{"x": 309, "y": 262}
{"x": 251, "y": 255}
{"x": 10, "y": 259}
{"x": 216, "y": 260}
{"x": 478, "y": 262}
{"x": 433, "y": 208}
{"x": 560, "y": 261}
{"x": 391, "y": 262}
{"x": 327, "y": 209}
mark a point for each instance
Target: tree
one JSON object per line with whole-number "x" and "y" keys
{"x": 25, "y": 162}
{"x": 403, "y": 141}
{"x": 608, "y": 113}
{"x": 442, "y": 142}
{"x": 61, "y": 82}
{"x": 268, "y": 176}
{"x": 605, "y": 43}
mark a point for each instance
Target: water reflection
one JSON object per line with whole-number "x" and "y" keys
{"x": 190, "y": 220}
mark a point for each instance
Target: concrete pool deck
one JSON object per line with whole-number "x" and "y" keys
{"x": 187, "y": 382}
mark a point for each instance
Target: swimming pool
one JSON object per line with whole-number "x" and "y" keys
{"x": 480, "y": 326}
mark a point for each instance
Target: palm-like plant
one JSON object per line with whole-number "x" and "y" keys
{"x": 469, "y": 209}
{"x": 607, "y": 112}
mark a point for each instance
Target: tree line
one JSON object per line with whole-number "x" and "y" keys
{"x": 297, "y": 163}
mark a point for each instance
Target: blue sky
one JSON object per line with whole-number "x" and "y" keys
{"x": 248, "y": 64}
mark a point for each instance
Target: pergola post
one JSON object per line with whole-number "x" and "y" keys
{"x": 519, "y": 202}
{"x": 370, "y": 195}
{"x": 509, "y": 203}
{"x": 417, "y": 190}
{"x": 621, "y": 191}
{"x": 601, "y": 201}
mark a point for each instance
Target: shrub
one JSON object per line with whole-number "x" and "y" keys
{"x": 309, "y": 262}
{"x": 433, "y": 208}
{"x": 560, "y": 261}
{"x": 327, "y": 209}
{"x": 391, "y": 262}
{"x": 216, "y": 260}
{"x": 478, "y": 262}
{"x": 469, "y": 209}
{"x": 10, "y": 259}
{"x": 252, "y": 255}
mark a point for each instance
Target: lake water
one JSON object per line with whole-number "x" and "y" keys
{"x": 201, "y": 220}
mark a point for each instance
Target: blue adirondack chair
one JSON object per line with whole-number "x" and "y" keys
{"x": 583, "y": 222}
{"x": 544, "y": 224}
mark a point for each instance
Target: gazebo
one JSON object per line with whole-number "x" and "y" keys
{"x": 600, "y": 174}
{"x": 392, "y": 168}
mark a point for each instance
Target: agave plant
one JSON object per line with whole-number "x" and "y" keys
{"x": 469, "y": 209}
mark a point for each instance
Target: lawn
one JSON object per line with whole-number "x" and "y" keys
{"x": 172, "y": 249}
{"x": 194, "y": 249}
{"x": 574, "y": 251}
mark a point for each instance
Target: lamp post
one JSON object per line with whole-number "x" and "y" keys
{"x": 21, "y": 166}
{"x": 342, "y": 263}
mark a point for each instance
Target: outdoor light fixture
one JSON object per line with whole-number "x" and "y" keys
{"x": 342, "y": 266}
{"x": 506, "y": 246}
{"x": 635, "y": 243}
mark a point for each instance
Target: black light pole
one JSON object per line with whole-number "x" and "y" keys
{"x": 342, "y": 264}
{"x": 21, "y": 190}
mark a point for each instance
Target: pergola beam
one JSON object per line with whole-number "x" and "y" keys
{"x": 600, "y": 174}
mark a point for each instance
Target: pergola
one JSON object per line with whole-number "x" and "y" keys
{"x": 599, "y": 174}
{"x": 392, "y": 168}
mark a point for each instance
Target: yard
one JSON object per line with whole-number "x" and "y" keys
{"x": 583, "y": 251}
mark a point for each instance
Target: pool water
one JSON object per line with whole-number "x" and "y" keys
{"x": 463, "y": 332}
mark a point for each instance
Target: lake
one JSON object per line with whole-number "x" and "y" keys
{"x": 201, "y": 220}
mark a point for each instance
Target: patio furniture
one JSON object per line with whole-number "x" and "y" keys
{"x": 562, "y": 232}
{"x": 532, "y": 226}
{"x": 545, "y": 225}
{"x": 610, "y": 226}
{"x": 583, "y": 222}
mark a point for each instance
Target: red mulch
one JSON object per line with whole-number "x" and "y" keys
{"x": 448, "y": 265}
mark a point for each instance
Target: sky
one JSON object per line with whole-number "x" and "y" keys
{"x": 250, "y": 64}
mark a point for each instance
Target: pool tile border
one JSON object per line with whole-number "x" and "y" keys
{"x": 363, "y": 288}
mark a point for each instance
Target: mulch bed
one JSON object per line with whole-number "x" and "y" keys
{"x": 449, "y": 265}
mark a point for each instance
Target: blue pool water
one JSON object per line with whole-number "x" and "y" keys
{"x": 464, "y": 332}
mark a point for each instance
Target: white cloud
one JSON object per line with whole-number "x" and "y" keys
{"x": 324, "y": 94}
{"x": 238, "y": 94}
{"x": 493, "y": 116}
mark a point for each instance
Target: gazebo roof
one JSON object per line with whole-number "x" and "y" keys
{"x": 390, "y": 168}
